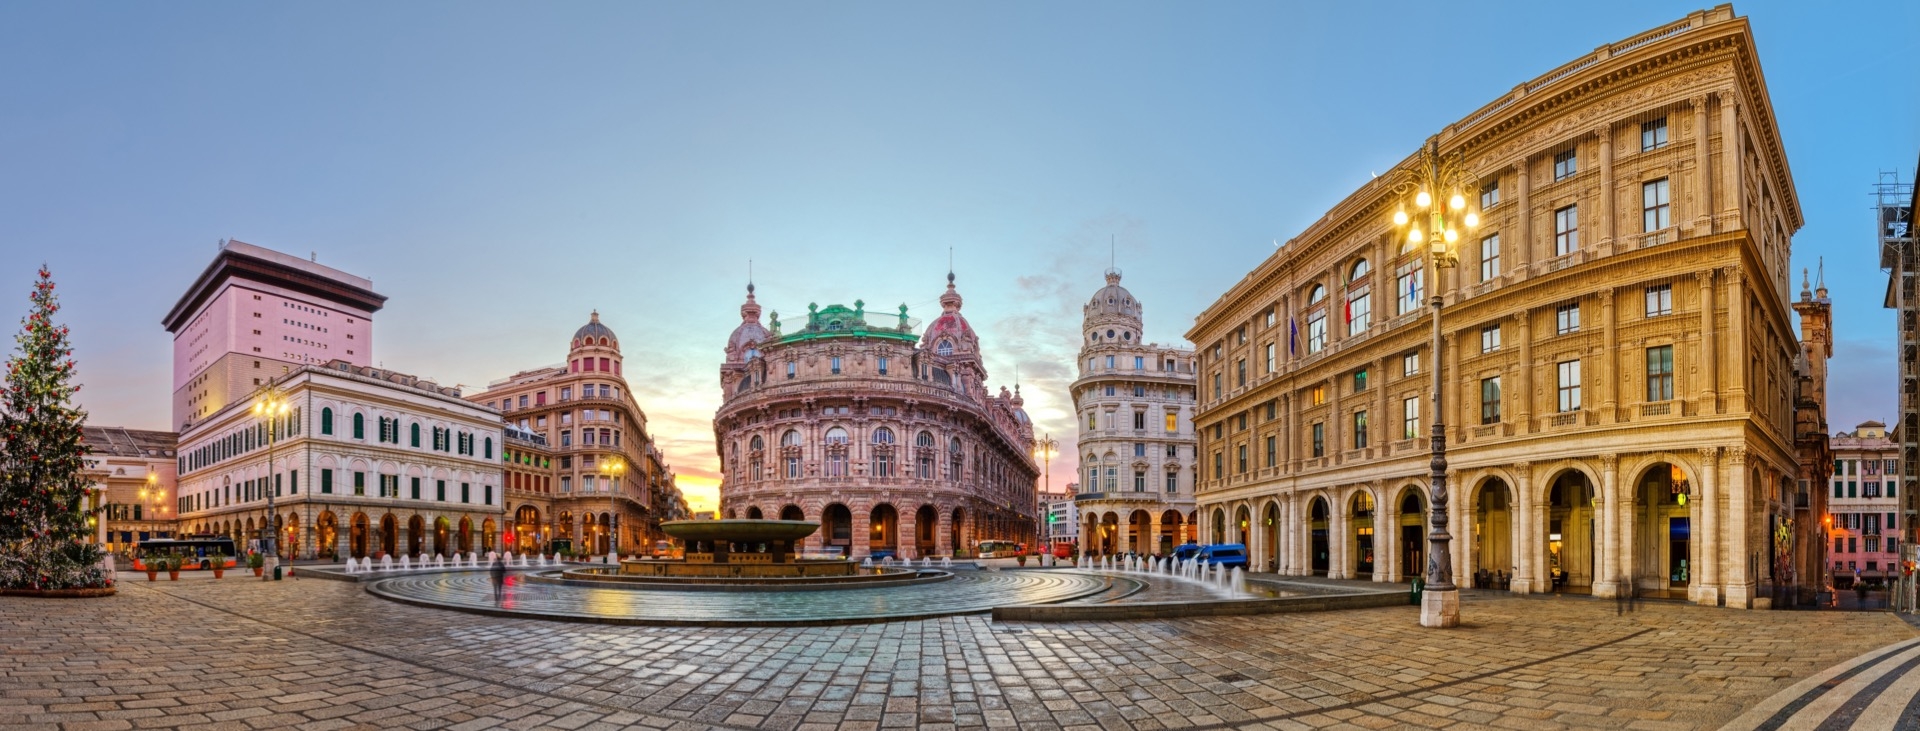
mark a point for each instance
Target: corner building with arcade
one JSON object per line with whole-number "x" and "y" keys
{"x": 892, "y": 441}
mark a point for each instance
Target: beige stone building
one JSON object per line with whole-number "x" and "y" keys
{"x": 1135, "y": 405}
{"x": 1618, "y": 349}
{"x": 133, "y": 473}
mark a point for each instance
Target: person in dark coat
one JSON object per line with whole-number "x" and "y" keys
{"x": 499, "y": 571}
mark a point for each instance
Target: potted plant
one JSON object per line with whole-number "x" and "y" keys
{"x": 219, "y": 565}
{"x": 257, "y": 561}
{"x": 152, "y": 561}
{"x": 1020, "y": 559}
{"x": 174, "y": 563}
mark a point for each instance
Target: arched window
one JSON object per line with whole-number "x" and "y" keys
{"x": 955, "y": 455}
{"x": 1316, "y": 294}
{"x": 836, "y": 452}
{"x": 837, "y": 435}
{"x": 883, "y": 453}
{"x": 359, "y": 426}
{"x": 924, "y": 454}
{"x": 416, "y": 436}
{"x": 754, "y": 456}
{"x": 326, "y": 420}
{"x": 944, "y": 348}
{"x": 883, "y": 435}
{"x": 1360, "y": 269}
{"x": 489, "y": 454}
{"x": 792, "y": 439}
{"x": 757, "y": 444}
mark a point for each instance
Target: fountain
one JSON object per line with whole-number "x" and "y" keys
{"x": 386, "y": 563}
{"x": 713, "y": 552}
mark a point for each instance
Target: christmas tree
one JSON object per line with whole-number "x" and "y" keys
{"x": 43, "y": 520}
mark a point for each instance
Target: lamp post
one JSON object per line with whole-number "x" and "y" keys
{"x": 1434, "y": 175}
{"x": 612, "y": 469}
{"x": 1045, "y": 448}
{"x": 153, "y": 498}
{"x": 270, "y": 408}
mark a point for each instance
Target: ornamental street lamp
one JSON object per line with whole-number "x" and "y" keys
{"x": 612, "y": 469}
{"x": 153, "y": 498}
{"x": 1045, "y": 448}
{"x": 271, "y": 409}
{"x": 1431, "y": 176}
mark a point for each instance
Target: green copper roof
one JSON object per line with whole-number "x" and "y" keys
{"x": 838, "y": 321}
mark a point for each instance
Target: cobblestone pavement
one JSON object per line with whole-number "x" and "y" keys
{"x": 1878, "y": 691}
{"x": 324, "y": 654}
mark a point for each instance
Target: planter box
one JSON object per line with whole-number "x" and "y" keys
{"x": 99, "y": 591}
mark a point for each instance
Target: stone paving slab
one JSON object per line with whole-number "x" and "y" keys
{"x": 320, "y": 654}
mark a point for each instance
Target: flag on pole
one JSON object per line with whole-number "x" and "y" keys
{"x": 1293, "y": 336}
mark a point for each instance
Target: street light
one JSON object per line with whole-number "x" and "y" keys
{"x": 1045, "y": 448}
{"x": 612, "y": 469}
{"x": 153, "y": 497}
{"x": 1434, "y": 175}
{"x": 270, "y": 409}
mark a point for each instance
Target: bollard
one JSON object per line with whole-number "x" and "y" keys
{"x": 1419, "y": 585}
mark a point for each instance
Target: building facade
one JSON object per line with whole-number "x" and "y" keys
{"x": 587, "y": 469}
{"x": 1801, "y": 550}
{"x": 364, "y": 462}
{"x": 133, "y": 473}
{"x": 1060, "y": 522}
{"x": 1135, "y": 405}
{"x": 1865, "y": 505}
{"x": 890, "y": 440}
{"x": 1617, "y": 347}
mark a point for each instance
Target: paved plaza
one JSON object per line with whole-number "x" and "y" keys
{"x": 238, "y": 653}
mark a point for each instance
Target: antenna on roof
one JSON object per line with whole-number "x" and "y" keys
{"x": 313, "y": 256}
{"x": 1113, "y": 250}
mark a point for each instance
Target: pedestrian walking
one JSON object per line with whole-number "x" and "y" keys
{"x": 499, "y": 572}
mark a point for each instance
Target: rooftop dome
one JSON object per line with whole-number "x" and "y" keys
{"x": 593, "y": 329}
{"x": 950, "y": 328}
{"x": 1113, "y": 299}
{"x": 750, "y": 334}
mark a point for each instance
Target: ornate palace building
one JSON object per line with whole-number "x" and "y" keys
{"x": 1135, "y": 402}
{"x": 581, "y": 465}
{"x": 1618, "y": 350}
{"x": 891, "y": 441}
{"x": 133, "y": 473}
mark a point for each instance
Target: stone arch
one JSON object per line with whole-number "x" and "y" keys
{"x": 883, "y": 529}
{"x": 417, "y": 535}
{"x": 1409, "y": 514}
{"x": 1242, "y": 528}
{"x": 1362, "y": 536}
{"x": 792, "y": 512}
{"x": 357, "y": 536}
{"x": 1319, "y": 524}
{"x": 836, "y": 528}
{"x": 926, "y": 527}
{"x": 1271, "y": 523}
{"x": 1663, "y": 558}
{"x": 753, "y": 513}
{"x": 1492, "y": 525}
{"x": 1569, "y": 534}
{"x": 389, "y": 534}
{"x": 326, "y": 533}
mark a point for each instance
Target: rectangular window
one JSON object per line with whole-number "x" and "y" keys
{"x": 1109, "y": 361}
{"x": 1319, "y": 439}
{"x": 1565, "y": 164}
{"x": 1853, "y": 490}
{"x": 1173, "y": 423}
{"x": 1359, "y": 430}
{"x": 489, "y": 495}
{"x": 1566, "y": 230}
{"x": 1660, "y": 373}
{"x": 440, "y": 490}
{"x": 1489, "y": 339}
{"x": 1409, "y": 364}
{"x": 1566, "y": 319}
{"x": 881, "y": 362}
{"x": 1216, "y": 385}
{"x": 1410, "y": 418}
{"x": 1653, "y": 135}
{"x": 416, "y": 488}
{"x": 1490, "y": 194}
{"x": 1093, "y": 421}
{"x": 1359, "y": 313}
{"x": 1490, "y": 258}
{"x": 1240, "y": 463}
{"x": 1270, "y": 360}
{"x": 1360, "y": 380}
{"x": 1569, "y": 386}
{"x": 1659, "y": 300}
{"x": 835, "y": 364}
{"x": 1317, "y": 395}
{"x": 1409, "y": 288}
{"x": 326, "y": 481}
{"x": 1140, "y": 420}
{"x": 1272, "y": 452}
{"x": 791, "y": 368}
{"x": 359, "y": 483}
{"x": 1173, "y": 482}
{"x": 1219, "y": 467}
{"x": 1139, "y": 449}
{"x": 1240, "y": 372}
{"x": 1316, "y": 331}
{"x": 1490, "y": 400}
{"x": 1139, "y": 363}
{"x": 464, "y": 494}
{"x": 1655, "y": 211}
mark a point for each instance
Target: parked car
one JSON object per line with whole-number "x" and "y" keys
{"x": 1229, "y": 555}
{"x": 1185, "y": 552}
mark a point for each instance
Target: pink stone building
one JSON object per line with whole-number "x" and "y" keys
{"x": 891, "y": 440}
{"x": 1864, "y": 505}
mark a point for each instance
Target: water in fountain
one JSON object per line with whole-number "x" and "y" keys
{"x": 866, "y": 563}
{"x": 405, "y": 565}
{"x": 1239, "y": 581}
{"x": 946, "y": 562}
{"x": 386, "y": 563}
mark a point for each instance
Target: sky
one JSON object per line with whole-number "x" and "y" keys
{"x": 501, "y": 169}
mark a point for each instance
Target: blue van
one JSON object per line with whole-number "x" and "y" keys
{"x": 1186, "y": 551}
{"x": 1229, "y": 555}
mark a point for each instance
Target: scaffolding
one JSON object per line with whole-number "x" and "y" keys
{"x": 1893, "y": 216}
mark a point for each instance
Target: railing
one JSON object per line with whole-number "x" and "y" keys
{"x": 1658, "y": 238}
{"x": 1567, "y": 419}
{"x": 1658, "y": 408}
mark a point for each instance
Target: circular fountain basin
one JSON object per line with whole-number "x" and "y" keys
{"x": 859, "y": 578}
{"x": 739, "y": 531}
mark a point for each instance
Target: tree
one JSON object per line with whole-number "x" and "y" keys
{"x": 43, "y": 522}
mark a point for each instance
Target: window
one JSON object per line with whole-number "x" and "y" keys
{"x": 1173, "y": 481}
{"x": 1565, "y": 164}
{"x": 1659, "y": 300}
{"x": 1319, "y": 439}
{"x": 359, "y": 483}
{"x": 835, "y": 364}
{"x": 1240, "y": 372}
{"x": 1093, "y": 422}
{"x": 1139, "y": 449}
{"x": 1653, "y": 135}
{"x": 464, "y": 486}
{"x": 326, "y": 481}
{"x": 415, "y": 485}
{"x": 1569, "y": 386}
{"x": 359, "y": 426}
{"x": 1409, "y": 364}
{"x": 1272, "y": 451}
{"x": 882, "y": 363}
{"x": 1317, "y": 395}
{"x": 415, "y": 435}
{"x": 1489, "y": 339}
{"x": 1410, "y": 286}
{"x": 1566, "y": 319}
{"x": 1173, "y": 422}
{"x": 1139, "y": 480}
{"x": 1219, "y": 470}
{"x": 1109, "y": 362}
{"x": 1313, "y": 297}
{"x": 1113, "y": 479}
{"x": 1490, "y": 400}
{"x": 1490, "y": 258}
{"x": 1360, "y": 380}
{"x": 1139, "y": 363}
{"x": 1655, "y": 213}
{"x": 1359, "y": 430}
{"x": 1316, "y": 331}
{"x": 1216, "y": 385}
{"x": 1566, "y": 230}
{"x": 1270, "y": 361}
{"x": 1660, "y": 373}
{"x": 1490, "y": 194}
{"x": 1410, "y": 418}
{"x": 1359, "y": 313}
{"x": 791, "y": 367}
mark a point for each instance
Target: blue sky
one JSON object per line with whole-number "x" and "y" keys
{"x": 500, "y": 169}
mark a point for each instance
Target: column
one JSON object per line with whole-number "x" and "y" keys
{"x": 1736, "y": 569}
{"x": 1123, "y": 536}
{"x": 862, "y": 533}
{"x": 1526, "y": 562}
{"x": 1382, "y": 421}
{"x": 1381, "y": 557}
{"x": 1709, "y": 347}
{"x": 1702, "y": 169}
{"x": 1302, "y": 535}
{"x": 1737, "y": 326}
{"x": 1524, "y": 320}
{"x": 1606, "y": 582}
{"x": 1609, "y": 383}
{"x": 1523, "y": 214}
{"x": 1609, "y": 209}
{"x": 1389, "y": 538}
{"x": 1339, "y": 533}
{"x": 1627, "y": 553}
{"x": 1460, "y": 526}
{"x": 907, "y": 536}
{"x": 1705, "y": 585}
{"x": 1733, "y": 158}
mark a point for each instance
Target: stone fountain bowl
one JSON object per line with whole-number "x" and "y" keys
{"x": 739, "y": 531}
